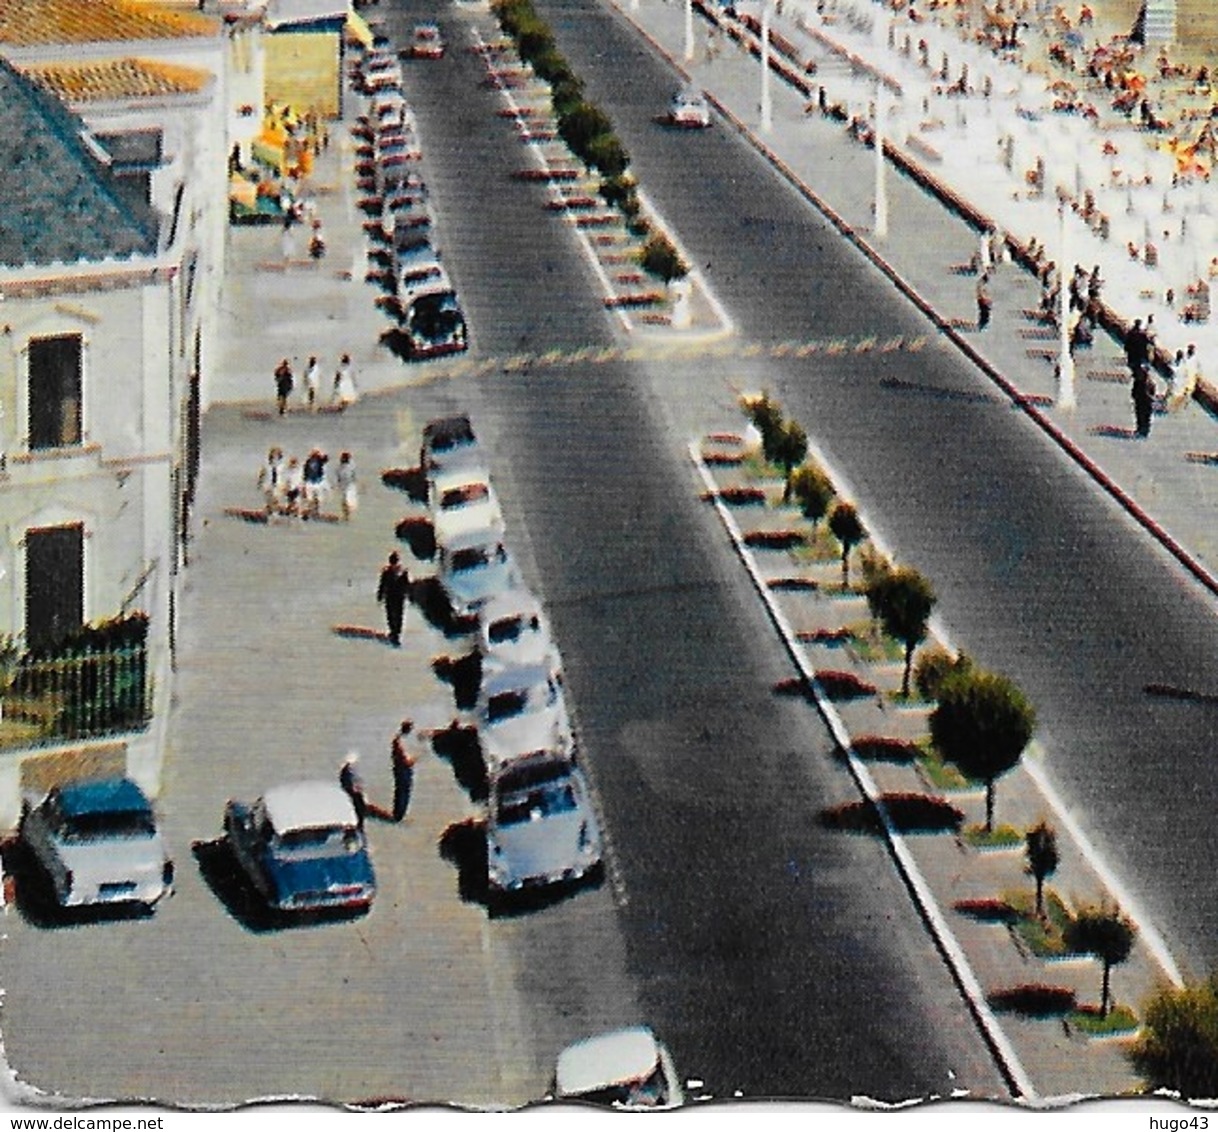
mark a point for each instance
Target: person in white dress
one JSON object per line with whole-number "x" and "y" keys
{"x": 345, "y": 392}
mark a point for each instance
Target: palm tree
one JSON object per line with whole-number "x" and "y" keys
{"x": 1105, "y": 934}
{"x": 1042, "y": 859}
{"x": 981, "y": 724}
{"x": 848, "y": 529}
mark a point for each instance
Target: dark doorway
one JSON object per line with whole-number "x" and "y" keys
{"x": 55, "y": 389}
{"x": 54, "y": 584}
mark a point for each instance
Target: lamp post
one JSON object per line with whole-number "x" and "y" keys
{"x": 1065, "y": 359}
{"x": 767, "y": 117}
{"x": 881, "y": 185}
{"x": 689, "y": 31}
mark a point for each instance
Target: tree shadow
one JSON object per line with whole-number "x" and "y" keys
{"x": 463, "y": 674}
{"x": 460, "y": 747}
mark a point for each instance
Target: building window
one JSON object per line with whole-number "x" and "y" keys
{"x": 55, "y": 391}
{"x": 54, "y": 584}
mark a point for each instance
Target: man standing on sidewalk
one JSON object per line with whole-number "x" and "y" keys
{"x": 985, "y": 301}
{"x": 391, "y": 592}
{"x": 284, "y": 381}
{"x": 402, "y": 762}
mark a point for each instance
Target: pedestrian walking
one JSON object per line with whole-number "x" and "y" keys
{"x": 353, "y": 785}
{"x": 287, "y": 238}
{"x": 402, "y": 760}
{"x": 271, "y": 480}
{"x": 1143, "y": 392}
{"x": 985, "y": 301}
{"x": 315, "y": 486}
{"x": 348, "y": 487}
{"x": 391, "y": 592}
{"x": 284, "y": 383}
{"x": 344, "y": 393}
{"x": 1137, "y": 348}
{"x": 312, "y": 377}
{"x": 1192, "y": 374}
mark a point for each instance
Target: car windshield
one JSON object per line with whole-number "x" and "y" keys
{"x": 324, "y": 840}
{"x": 504, "y": 705}
{"x": 546, "y": 801}
{"x": 509, "y": 629}
{"x": 463, "y": 496}
{"x": 108, "y": 825}
{"x": 474, "y": 558}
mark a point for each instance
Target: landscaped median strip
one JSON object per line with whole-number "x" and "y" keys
{"x": 1008, "y": 1061}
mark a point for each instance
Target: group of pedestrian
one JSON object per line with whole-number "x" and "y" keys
{"x": 402, "y": 759}
{"x": 298, "y": 489}
{"x": 343, "y": 391}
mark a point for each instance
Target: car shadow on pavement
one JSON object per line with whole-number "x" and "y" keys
{"x": 419, "y": 535}
{"x": 463, "y": 844}
{"x": 463, "y": 674}
{"x": 409, "y": 480}
{"x": 35, "y": 895}
{"x": 459, "y": 746}
{"x": 503, "y": 905}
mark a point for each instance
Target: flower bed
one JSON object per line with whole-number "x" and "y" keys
{"x": 908, "y": 813}
{"x": 987, "y": 910}
{"x": 843, "y": 685}
{"x": 773, "y": 540}
{"x": 1034, "y": 1000}
{"x": 884, "y": 748}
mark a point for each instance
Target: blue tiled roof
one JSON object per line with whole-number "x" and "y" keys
{"x": 102, "y": 796}
{"x": 59, "y": 202}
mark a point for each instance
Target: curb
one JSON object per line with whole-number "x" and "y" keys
{"x": 1005, "y": 1057}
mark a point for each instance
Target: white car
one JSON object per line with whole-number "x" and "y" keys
{"x": 627, "y": 1068}
{"x": 472, "y": 567}
{"x": 513, "y": 629}
{"x": 521, "y": 711}
{"x": 689, "y": 109}
{"x": 462, "y": 499}
{"x": 97, "y": 841}
{"x": 541, "y": 831}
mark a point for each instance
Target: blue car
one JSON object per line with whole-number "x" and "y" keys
{"x": 302, "y": 848}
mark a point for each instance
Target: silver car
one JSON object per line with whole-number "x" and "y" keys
{"x": 541, "y": 830}
{"x": 521, "y": 711}
{"x": 627, "y": 1068}
{"x": 472, "y": 568}
{"x": 97, "y": 841}
{"x": 513, "y": 629}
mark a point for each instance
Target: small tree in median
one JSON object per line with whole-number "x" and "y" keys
{"x": 848, "y": 529}
{"x": 791, "y": 446}
{"x": 982, "y": 724}
{"x": 1105, "y": 934}
{"x": 1041, "y": 842}
{"x": 902, "y": 600}
{"x": 766, "y": 415}
{"x": 814, "y": 490}
{"x": 1178, "y": 1049}
{"x": 661, "y": 259}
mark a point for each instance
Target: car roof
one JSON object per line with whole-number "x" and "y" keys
{"x": 607, "y": 1059}
{"x": 508, "y": 677}
{"x": 308, "y": 805}
{"x": 510, "y": 603}
{"x": 101, "y": 796}
{"x": 480, "y": 536}
{"x": 456, "y": 427}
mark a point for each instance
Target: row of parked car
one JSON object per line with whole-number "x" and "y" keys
{"x": 541, "y": 828}
{"x": 388, "y": 161}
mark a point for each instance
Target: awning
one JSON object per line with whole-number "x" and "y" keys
{"x": 357, "y": 29}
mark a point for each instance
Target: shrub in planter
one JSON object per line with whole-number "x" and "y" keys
{"x": 813, "y": 490}
{"x": 566, "y": 92}
{"x": 580, "y": 124}
{"x": 535, "y": 40}
{"x": 934, "y": 665}
{"x": 773, "y": 540}
{"x": 766, "y": 416}
{"x": 638, "y": 225}
{"x": 606, "y": 153}
{"x": 616, "y": 189}
{"x": 661, "y": 259}
{"x": 843, "y": 685}
{"x": 1034, "y": 1000}
{"x": 741, "y": 496}
{"x": 550, "y": 66}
